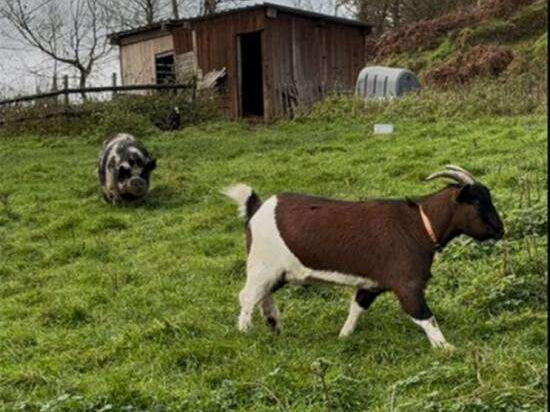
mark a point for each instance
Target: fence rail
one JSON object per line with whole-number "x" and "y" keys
{"x": 114, "y": 89}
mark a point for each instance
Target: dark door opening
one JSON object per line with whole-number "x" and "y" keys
{"x": 250, "y": 70}
{"x": 164, "y": 68}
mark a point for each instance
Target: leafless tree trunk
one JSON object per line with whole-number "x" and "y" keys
{"x": 133, "y": 13}
{"x": 392, "y": 13}
{"x": 210, "y": 6}
{"x": 175, "y": 10}
{"x": 396, "y": 13}
{"x": 363, "y": 11}
{"x": 213, "y": 6}
{"x": 320, "y": 6}
{"x": 71, "y": 32}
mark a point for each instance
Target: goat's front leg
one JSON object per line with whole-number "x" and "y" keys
{"x": 414, "y": 303}
{"x": 362, "y": 300}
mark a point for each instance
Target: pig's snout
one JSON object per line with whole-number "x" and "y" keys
{"x": 138, "y": 186}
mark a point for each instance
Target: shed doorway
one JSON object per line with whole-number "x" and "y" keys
{"x": 250, "y": 74}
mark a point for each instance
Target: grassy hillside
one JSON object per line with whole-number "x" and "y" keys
{"x": 135, "y": 308}
{"x": 499, "y": 38}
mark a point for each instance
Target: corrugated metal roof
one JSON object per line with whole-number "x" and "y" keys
{"x": 166, "y": 24}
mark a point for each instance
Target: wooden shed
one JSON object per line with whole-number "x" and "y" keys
{"x": 275, "y": 56}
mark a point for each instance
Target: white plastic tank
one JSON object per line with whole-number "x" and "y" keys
{"x": 380, "y": 82}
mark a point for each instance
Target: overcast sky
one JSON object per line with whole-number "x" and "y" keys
{"x": 23, "y": 70}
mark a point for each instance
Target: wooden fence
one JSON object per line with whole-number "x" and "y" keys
{"x": 66, "y": 91}
{"x": 65, "y": 109}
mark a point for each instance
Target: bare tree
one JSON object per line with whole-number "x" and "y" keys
{"x": 175, "y": 9}
{"x": 72, "y": 33}
{"x": 414, "y": 10}
{"x": 213, "y": 6}
{"x": 375, "y": 12}
{"x": 133, "y": 13}
{"x": 384, "y": 14}
{"x": 324, "y": 6}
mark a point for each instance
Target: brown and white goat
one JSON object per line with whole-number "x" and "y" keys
{"x": 374, "y": 246}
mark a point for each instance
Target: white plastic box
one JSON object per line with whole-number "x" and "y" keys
{"x": 383, "y": 128}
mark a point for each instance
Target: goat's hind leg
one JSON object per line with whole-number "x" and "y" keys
{"x": 269, "y": 309}
{"x": 259, "y": 283}
{"x": 270, "y": 312}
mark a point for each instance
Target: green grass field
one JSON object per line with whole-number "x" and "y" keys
{"x": 135, "y": 308}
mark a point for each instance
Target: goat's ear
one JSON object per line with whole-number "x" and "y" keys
{"x": 465, "y": 195}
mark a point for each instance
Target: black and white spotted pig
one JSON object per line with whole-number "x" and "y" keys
{"x": 124, "y": 169}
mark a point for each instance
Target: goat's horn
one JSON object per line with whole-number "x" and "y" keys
{"x": 459, "y": 169}
{"x": 459, "y": 177}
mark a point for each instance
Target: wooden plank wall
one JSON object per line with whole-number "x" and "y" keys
{"x": 309, "y": 58}
{"x": 137, "y": 58}
{"x": 303, "y": 58}
{"x": 217, "y": 46}
{"x": 183, "y": 42}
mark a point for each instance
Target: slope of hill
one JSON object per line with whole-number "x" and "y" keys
{"x": 134, "y": 308}
{"x": 498, "y": 38}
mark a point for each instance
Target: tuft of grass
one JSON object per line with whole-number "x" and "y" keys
{"x": 495, "y": 30}
{"x": 134, "y": 308}
{"x": 444, "y": 50}
{"x": 530, "y": 20}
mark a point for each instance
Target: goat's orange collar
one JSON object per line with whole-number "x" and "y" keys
{"x": 429, "y": 228}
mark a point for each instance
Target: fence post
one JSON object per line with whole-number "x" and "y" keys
{"x": 65, "y": 89}
{"x": 113, "y": 76}
{"x": 194, "y": 84}
{"x": 54, "y": 99}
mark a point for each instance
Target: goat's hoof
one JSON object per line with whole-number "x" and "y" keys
{"x": 273, "y": 325}
{"x": 243, "y": 327}
{"x": 449, "y": 348}
{"x": 445, "y": 346}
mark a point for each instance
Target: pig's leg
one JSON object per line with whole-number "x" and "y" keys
{"x": 112, "y": 181}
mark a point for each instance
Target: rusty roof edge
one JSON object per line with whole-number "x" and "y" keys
{"x": 285, "y": 9}
{"x": 309, "y": 13}
{"x": 166, "y": 24}
{"x": 114, "y": 38}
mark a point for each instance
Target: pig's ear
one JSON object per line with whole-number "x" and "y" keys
{"x": 151, "y": 164}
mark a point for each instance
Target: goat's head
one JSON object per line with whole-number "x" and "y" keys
{"x": 476, "y": 215}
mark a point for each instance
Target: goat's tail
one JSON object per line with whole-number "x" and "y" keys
{"x": 247, "y": 200}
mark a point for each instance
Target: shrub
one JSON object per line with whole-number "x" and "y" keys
{"x": 479, "y": 61}
{"x": 444, "y": 50}
{"x": 137, "y": 114}
{"x": 426, "y": 34}
{"x": 493, "y": 30}
{"x": 522, "y": 95}
{"x": 531, "y": 19}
